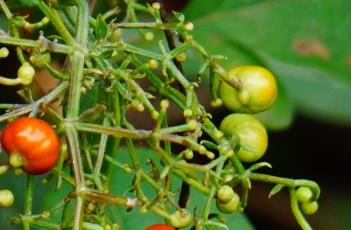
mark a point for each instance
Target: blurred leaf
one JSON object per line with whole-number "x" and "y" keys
{"x": 280, "y": 115}
{"x": 316, "y": 92}
{"x": 97, "y": 95}
{"x": 277, "y": 188}
{"x": 305, "y": 43}
{"x": 196, "y": 8}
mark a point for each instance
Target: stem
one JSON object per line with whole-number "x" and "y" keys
{"x": 144, "y": 25}
{"x": 73, "y": 143}
{"x": 56, "y": 20}
{"x": 10, "y": 81}
{"x": 11, "y": 106}
{"x": 207, "y": 208}
{"x": 100, "y": 157}
{"x": 41, "y": 43}
{"x": 286, "y": 181}
{"x": 194, "y": 183}
{"x": 169, "y": 35}
{"x": 117, "y": 132}
{"x": 76, "y": 77}
{"x": 28, "y": 203}
{"x": 296, "y": 211}
{"x": 34, "y": 105}
{"x": 6, "y": 10}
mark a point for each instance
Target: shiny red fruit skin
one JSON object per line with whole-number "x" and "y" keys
{"x": 160, "y": 227}
{"x": 35, "y": 140}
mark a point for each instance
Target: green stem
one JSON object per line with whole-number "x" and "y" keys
{"x": 10, "y": 81}
{"x": 145, "y": 25}
{"x": 56, "y": 20}
{"x": 133, "y": 155}
{"x": 6, "y": 10}
{"x": 73, "y": 144}
{"x": 193, "y": 182}
{"x": 114, "y": 142}
{"x": 76, "y": 77}
{"x": 212, "y": 193}
{"x": 42, "y": 43}
{"x": 34, "y": 105}
{"x": 100, "y": 157}
{"x": 296, "y": 211}
{"x": 28, "y": 203}
{"x": 292, "y": 183}
{"x": 11, "y": 106}
{"x": 117, "y": 132}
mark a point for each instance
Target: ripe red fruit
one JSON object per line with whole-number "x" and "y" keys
{"x": 160, "y": 227}
{"x": 34, "y": 142}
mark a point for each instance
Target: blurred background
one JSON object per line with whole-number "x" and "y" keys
{"x": 306, "y": 44}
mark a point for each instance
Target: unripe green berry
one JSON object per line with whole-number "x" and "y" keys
{"x": 231, "y": 206}
{"x": 188, "y": 154}
{"x": 153, "y": 64}
{"x": 164, "y": 104}
{"x": 180, "y": 218}
{"x": 140, "y": 107}
{"x": 216, "y": 103}
{"x": 210, "y": 155}
{"x": 6, "y": 198}
{"x": 309, "y": 208}
{"x": 304, "y": 194}
{"x": 181, "y": 57}
{"x": 149, "y": 36}
{"x": 26, "y": 73}
{"x": 189, "y": 26}
{"x": 156, "y": 6}
{"x": 192, "y": 124}
{"x": 4, "y": 52}
{"x": 202, "y": 150}
{"x": 224, "y": 194}
{"x": 188, "y": 113}
{"x": 154, "y": 115}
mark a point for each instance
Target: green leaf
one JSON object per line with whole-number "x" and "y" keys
{"x": 97, "y": 95}
{"x": 281, "y": 114}
{"x": 100, "y": 27}
{"x": 317, "y": 93}
{"x": 277, "y": 188}
{"x": 302, "y": 44}
{"x": 216, "y": 226}
{"x": 29, "y": 3}
{"x": 196, "y": 8}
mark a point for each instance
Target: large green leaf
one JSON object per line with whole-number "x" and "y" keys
{"x": 305, "y": 43}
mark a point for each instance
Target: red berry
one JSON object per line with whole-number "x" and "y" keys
{"x": 160, "y": 227}
{"x": 34, "y": 142}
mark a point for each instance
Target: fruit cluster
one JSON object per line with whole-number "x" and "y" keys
{"x": 104, "y": 75}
